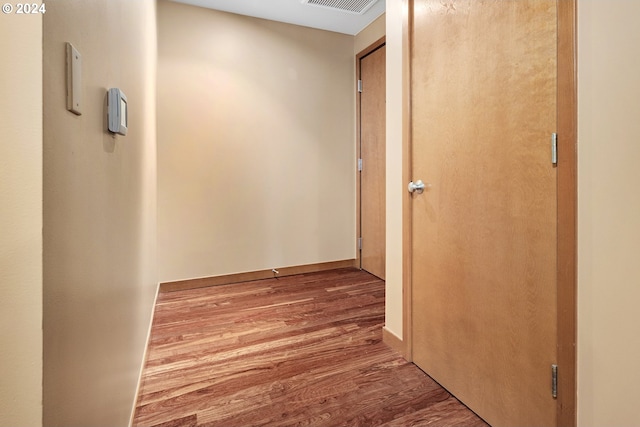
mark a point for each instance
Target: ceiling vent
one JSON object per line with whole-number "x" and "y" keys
{"x": 351, "y": 6}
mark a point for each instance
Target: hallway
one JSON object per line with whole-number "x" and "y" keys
{"x": 298, "y": 350}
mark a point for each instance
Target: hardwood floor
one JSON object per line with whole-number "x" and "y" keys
{"x": 302, "y": 350}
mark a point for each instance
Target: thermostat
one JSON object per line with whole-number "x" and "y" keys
{"x": 117, "y": 111}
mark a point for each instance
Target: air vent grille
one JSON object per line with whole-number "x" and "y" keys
{"x": 351, "y": 6}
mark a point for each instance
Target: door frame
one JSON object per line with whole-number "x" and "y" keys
{"x": 567, "y": 204}
{"x": 360, "y": 55}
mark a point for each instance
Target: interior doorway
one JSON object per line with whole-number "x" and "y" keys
{"x": 492, "y": 304}
{"x": 371, "y": 137}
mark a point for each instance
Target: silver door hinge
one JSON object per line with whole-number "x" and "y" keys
{"x": 359, "y": 85}
{"x": 359, "y": 165}
{"x": 554, "y": 148}
{"x": 554, "y": 381}
{"x": 359, "y": 243}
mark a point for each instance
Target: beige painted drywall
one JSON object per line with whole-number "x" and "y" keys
{"x": 256, "y": 152}
{"x": 608, "y": 213}
{"x": 369, "y": 35}
{"x": 395, "y": 184}
{"x": 99, "y": 212}
{"x": 21, "y": 220}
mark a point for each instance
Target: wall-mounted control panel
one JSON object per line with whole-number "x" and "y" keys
{"x": 117, "y": 111}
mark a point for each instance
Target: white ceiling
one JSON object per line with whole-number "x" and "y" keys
{"x": 294, "y": 12}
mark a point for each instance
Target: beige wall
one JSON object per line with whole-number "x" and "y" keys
{"x": 608, "y": 213}
{"x": 99, "y": 212}
{"x": 396, "y": 186}
{"x": 369, "y": 35}
{"x": 256, "y": 152}
{"x": 21, "y": 220}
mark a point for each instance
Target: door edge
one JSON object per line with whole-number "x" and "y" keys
{"x": 567, "y": 213}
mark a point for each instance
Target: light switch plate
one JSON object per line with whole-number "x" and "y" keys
{"x": 74, "y": 80}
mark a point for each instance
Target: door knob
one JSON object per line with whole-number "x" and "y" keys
{"x": 417, "y": 186}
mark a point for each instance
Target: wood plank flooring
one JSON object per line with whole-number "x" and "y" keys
{"x": 302, "y": 350}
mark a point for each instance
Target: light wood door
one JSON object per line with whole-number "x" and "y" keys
{"x": 372, "y": 153}
{"x": 484, "y": 235}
